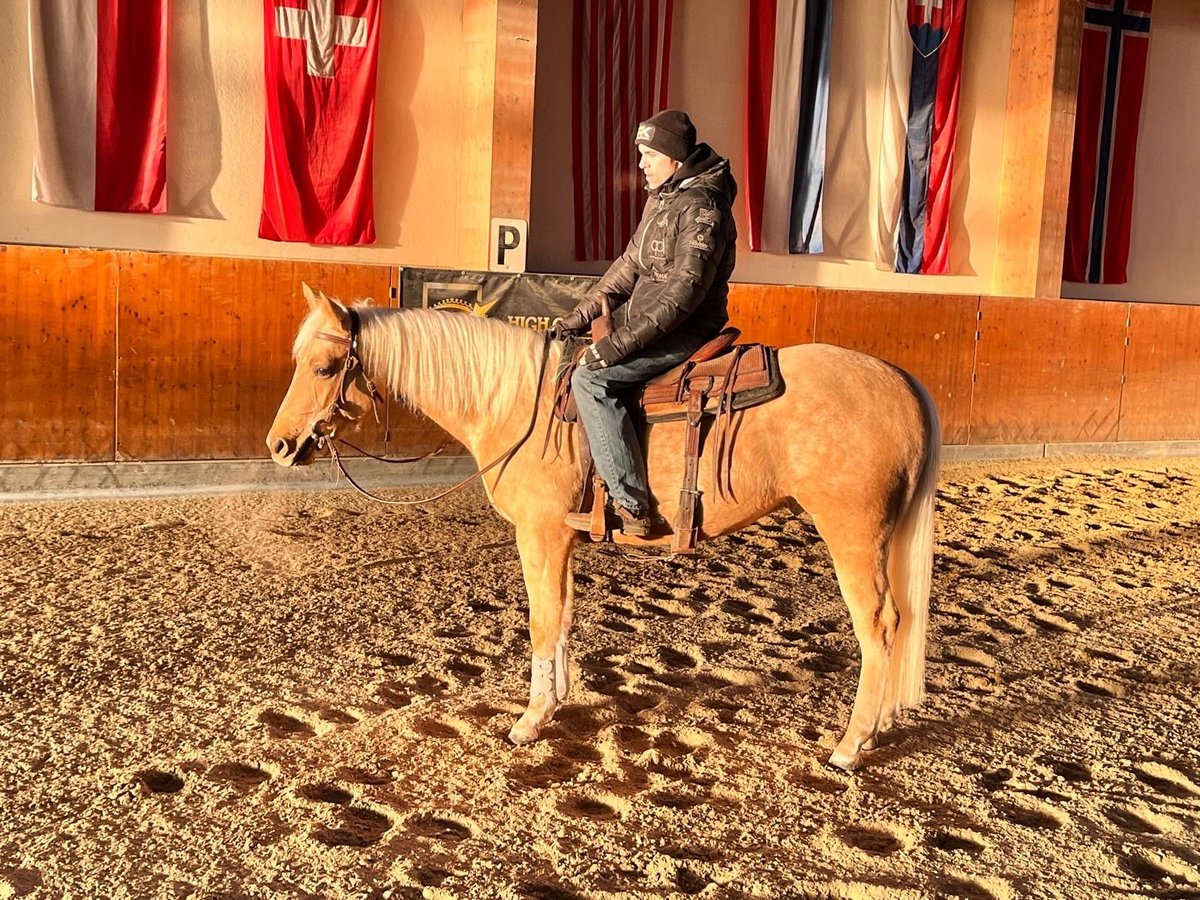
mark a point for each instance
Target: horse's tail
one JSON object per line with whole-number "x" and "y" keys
{"x": 910, "y": 567}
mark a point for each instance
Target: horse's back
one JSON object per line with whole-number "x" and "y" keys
{"x": 845, "y": 415}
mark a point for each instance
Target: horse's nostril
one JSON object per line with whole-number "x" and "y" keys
{"x": 280, "y": 447}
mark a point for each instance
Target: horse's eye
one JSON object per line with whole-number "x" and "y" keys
{"x": 325, "y": 371}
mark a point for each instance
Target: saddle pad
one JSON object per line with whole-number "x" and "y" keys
{"x": 756, "y": 381}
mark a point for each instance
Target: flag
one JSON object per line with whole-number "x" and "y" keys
{"x": 920, "y": 124}
{"x": 99, "y": 74}
{"x": 321, "y": 61}
{"x": 787, "y": 108}
{"x": 1112, "y": 73}
{"x": 621, "y": 58}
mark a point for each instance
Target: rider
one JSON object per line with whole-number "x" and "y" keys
{"x": 673, "y": 281}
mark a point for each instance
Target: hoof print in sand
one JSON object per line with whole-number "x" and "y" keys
{"x": 877, "y": 840}
{"x": 325, "y": 793}
{"x": 155, "y": 781}
{"x": 442, "y": 828}
{"x": 238, "y": 775}
{"x": 284, "y": 727}
{"x": 359, "y": 827}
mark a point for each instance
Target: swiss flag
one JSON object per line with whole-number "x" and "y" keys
{"x": 321, "y": 61}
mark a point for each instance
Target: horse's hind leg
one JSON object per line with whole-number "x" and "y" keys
{"x": 546, "y": 562}
{"x": 862, "y": 576}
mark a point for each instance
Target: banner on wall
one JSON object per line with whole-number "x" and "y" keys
{"x": 321, "y": 58}
{"x": 1112, "y": 76}
{"x": 787, "y": 108}
{"x": 527, "y": 301}
{"x": 920, "y": 126}
{"x": 98, "y": 69}
{"x": 621, "y": 59}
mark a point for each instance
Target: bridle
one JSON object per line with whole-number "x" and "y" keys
{"x": 323, "y": 433}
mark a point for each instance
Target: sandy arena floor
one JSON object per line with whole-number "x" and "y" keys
{"x": 303, "y": 695}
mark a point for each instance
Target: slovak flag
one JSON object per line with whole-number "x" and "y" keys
{"x": 99, "y": 74}
{"x": 920, "y": 125}
{"x": 321, "y": 61}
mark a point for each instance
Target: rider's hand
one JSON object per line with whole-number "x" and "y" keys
{"x": 560, "y": 332}
{"x": 601, "y": 355}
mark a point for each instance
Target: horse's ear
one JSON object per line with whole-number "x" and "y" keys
{"x": 309, "y": 295}
{"x": 318, "y": 300}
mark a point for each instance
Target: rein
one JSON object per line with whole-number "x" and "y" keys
{"x": 353, "y": 362}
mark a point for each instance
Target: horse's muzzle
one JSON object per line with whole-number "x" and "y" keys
{"x": 287, "y": 453}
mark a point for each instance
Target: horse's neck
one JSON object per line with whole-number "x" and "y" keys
{"x": 445, "y": 384}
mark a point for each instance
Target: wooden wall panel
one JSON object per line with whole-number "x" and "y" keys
{"x": 779, "y": 315}
{"x": 1038, "y": 134}
{"x": 1162, "y": 374}
{"x": 1048, "y": 370}
{"x": 931, "y": 336}
{"x": 204, "y": 349}
{"x": 56, "y": 396}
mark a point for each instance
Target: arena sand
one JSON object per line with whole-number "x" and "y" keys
{"x": 306, "y": 695}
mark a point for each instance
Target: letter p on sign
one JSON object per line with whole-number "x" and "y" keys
{"x": 508, "y": 245}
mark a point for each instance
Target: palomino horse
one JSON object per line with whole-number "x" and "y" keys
{"x": 853, "y": 440}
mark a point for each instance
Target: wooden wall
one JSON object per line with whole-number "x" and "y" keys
{"x": 1010, "y": 371}
{"x": 114, "y": 355}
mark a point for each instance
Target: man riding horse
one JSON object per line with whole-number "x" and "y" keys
{"x": 673, "y": 283}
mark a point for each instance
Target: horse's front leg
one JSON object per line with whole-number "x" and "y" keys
{"x": 546, "y": 561}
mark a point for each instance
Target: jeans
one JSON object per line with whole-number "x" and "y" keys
{"x": 601, "y": 396}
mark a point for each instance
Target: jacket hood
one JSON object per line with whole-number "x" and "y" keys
{"x": 706, "y": 170}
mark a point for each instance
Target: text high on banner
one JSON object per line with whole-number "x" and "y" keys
{"x": 920, "y": 126}
{"x": 99, "y": 74}
{"x": 621, "y": 58}
{"x": 321, "y": 59}
{"x": 787, "y": 109}
{"x": 1112, "y": 75}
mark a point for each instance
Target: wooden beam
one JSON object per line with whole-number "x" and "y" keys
{"x": 500, "y": 40}
{"x": 1039, "y": 130}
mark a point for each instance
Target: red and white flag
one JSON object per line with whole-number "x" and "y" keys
{"x": 321, "y": 61}
{"x": 621, "y": 60}
{"x": 99, "y": 75}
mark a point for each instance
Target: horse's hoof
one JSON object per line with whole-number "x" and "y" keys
{"x": 523, "y": 734}
{"x": 846, "y": 762}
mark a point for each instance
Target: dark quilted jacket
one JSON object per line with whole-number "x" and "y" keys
{"x": 674, "y": 275}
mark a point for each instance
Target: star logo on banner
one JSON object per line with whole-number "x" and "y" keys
{"x": 322, "y": 30}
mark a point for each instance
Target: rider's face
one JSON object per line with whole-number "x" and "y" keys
{"x": 657, "y": 167}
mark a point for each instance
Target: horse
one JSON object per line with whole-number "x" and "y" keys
{"x": 854, "y": 441}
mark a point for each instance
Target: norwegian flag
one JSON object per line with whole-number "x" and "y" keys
{"x": 320, "y": 64}
{"x": 622, "y": 52}
{"x": 1112, "y": 75}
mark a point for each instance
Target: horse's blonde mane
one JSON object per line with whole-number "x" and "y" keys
{"x": 460, "y": 366}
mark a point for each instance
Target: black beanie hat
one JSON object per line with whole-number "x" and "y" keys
{"x": 670, "y": 132}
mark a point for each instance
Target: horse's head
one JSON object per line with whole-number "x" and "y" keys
{"x": 328, "y": 390}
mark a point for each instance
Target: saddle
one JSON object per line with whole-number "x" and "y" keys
{"x": 715, "y": 381}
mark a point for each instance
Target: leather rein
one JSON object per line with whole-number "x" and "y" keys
{"x": 324, "y": 432}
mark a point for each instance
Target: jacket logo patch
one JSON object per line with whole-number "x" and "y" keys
{"x": 707, "y": 217}
{"x": 699, "y": 243}
{"x": 658, "y": 248}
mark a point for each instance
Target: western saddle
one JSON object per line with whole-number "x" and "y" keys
{"x": 718, "y": 379}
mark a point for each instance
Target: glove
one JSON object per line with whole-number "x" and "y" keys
{"x": 601, "y": 355}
